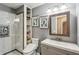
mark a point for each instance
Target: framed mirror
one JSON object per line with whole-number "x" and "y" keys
{"x": 59, "y": 24}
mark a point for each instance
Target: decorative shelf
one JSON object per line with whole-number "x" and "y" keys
{"x": 28, "y": 18}
{"x": 28, "y": 25}
{"x": 28, "y": 12}
{"x": 29, "y": 41}
{"x": 29, "y": 30}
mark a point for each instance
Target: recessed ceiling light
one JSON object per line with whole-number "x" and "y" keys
{"x": 63, "y": 7}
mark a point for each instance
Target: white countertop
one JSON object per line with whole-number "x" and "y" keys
{"x": 62, "y": 45}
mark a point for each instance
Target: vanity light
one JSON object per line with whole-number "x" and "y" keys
{"x": 63, "y": 7}
{"x": 49, "y": 11}
{"x": 16, "y": 20}
{"x": 55, "y": 9}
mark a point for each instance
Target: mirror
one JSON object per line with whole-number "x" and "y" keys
{"x": 59, "y": 24}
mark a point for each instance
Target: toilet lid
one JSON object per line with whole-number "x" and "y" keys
{"x": 29, "y": 48}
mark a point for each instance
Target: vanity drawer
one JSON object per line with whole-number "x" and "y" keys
{"x": 48, "y": 50}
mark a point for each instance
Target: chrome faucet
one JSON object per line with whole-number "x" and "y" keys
{"x": 59, "y": 39}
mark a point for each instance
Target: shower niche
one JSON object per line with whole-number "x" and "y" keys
{"x": 4, "y": 31}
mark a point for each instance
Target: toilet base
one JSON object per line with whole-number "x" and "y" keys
{"x": 30, "y": 53}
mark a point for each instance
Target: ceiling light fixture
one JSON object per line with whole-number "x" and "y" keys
{"x": 16, "y": 20}
{"x": 55, "y": 9}
{"x": 49, "y": 10}
{"x": 63, "y": 7}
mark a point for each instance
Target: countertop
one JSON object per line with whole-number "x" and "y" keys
{"x": 72, "y": 47}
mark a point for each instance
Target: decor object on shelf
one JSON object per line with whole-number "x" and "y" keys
{"x": 29, "y": 25}
{"x": 35, "y": 21}
{"x": 43, "y": 22}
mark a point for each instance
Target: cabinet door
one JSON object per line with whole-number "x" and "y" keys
{"x": 48, "y": 50}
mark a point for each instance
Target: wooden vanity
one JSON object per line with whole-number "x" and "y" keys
{"x": 52, "y": 47}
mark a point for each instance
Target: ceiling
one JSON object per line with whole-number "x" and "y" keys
{"x": 16, "y": 5}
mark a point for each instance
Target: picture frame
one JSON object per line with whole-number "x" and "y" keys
{"x": 35, "y": 21}
{"x": 44, "y": 22}
{"x": 4, "y": 31}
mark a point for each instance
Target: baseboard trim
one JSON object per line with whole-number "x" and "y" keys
{"x": 12, "y": 51}
{"x": 19, "y": 51}
{"x": 9, "y": 52}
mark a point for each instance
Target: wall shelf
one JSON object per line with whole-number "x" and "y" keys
{"x": 28, "y": 25}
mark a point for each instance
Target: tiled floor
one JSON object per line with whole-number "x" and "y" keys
{"x": 14, "y": 53}
{"x": 17, "y": 53}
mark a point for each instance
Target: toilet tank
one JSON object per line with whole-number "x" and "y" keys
{"x": 35, "y": 41}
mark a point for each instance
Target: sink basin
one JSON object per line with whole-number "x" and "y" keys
{"x": 61, "y": 45}
{"x": 57, "y": 39}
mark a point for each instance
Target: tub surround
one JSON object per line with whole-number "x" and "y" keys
{"x": 71, "y": 47}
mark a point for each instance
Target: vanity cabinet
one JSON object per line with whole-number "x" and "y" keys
{"x": 49, "y": 50}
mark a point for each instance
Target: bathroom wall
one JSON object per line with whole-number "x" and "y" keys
{"x": 7, "y": 16}
{"x": 44, "y": 33}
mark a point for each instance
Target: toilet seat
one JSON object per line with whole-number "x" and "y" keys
{"x": 29, "y": 49}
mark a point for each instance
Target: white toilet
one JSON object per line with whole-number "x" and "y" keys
{"x": 31, "y": 48}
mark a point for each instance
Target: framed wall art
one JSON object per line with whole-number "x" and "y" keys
{"x": 35, "y": 21}
{"x": 44, "y": 22}
{"x": 4, "y": 31}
